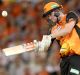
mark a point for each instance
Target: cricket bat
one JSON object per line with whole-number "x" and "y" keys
{"x": 21, "y": 48}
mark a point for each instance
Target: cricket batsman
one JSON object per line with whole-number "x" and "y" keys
{"x": 66, "y": 30}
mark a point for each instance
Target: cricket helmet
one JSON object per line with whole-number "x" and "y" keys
{"x": 49, "y": 7}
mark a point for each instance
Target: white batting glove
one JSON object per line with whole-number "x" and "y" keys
{"x": 45, "y": 43}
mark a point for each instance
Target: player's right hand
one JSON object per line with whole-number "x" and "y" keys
{"x": 45, "y": 43}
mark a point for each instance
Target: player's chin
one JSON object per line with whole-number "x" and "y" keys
{"x": 54, "y": 19}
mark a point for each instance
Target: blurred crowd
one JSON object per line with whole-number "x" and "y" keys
{"x": 24, "y": 23}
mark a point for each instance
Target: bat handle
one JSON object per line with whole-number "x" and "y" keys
{"x": 51, "y": 35}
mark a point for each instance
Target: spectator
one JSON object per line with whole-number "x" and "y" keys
{"x": 17, "y": 67}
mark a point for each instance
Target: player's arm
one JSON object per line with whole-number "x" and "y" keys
{"x": 63, "y": 31}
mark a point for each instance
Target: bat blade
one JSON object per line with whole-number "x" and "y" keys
{"x": 17, "y": 49}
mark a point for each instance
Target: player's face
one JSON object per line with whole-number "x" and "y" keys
{"x": 52, "y": 17}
